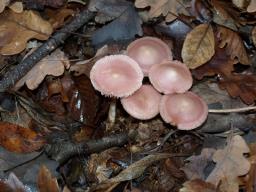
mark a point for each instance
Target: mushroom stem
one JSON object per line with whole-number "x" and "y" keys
{"x": 235, "y": 110}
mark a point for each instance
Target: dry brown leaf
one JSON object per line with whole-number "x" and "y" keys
{"x": 17, "y": 7}
{"x": 234, "y": 45}
{"x": 197, "y": 185}
{"x": 19, "y": 139}
{"x": 239, "y": 3}
{"x": 53, "y": 64}
{"x": 17, "y": 28}
{"x": 168, "y": 8}
{"x": 3, "y": 4}
{"x": 58, "y": 18}
{"x": 230, "y": 164}
{"x": 46, "y": 182}
{"x": 252, "y": 6}
{"x": 198, "y": 47}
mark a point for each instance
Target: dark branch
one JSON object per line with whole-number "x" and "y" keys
{"x": 12, "y": 76}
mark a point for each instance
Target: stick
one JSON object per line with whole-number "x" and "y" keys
{"x": 11, "y": 77}
{"x": 235, "y": 110}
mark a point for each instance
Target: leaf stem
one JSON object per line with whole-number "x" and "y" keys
{"x": 235, "y": 110}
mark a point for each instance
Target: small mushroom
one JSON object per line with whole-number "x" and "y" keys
{"x": 170, "y": 77}
{"x": 148, "y": 51}
{"x": 143, "y": 104}
{"x": 116, "y": 75}
{"x": 186, "y": 110}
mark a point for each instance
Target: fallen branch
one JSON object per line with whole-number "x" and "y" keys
{"x": 11, "y": 77}
{"x": 61, "y": 150}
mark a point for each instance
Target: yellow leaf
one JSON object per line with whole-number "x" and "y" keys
{"x": 198, "y": 47}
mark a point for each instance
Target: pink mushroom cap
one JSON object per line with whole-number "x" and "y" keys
{"x": 171, "y": 77}
{"x": 116, "y": 75}
{"x": 148, "y": 51}
{"x": 185, "y": 110}
{"x": 143, "y": 104}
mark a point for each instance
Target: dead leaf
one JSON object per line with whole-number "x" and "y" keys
{"x": 17, "y": 28}
{"x": 196, "y": 165}
{"x": 3, "y": 4}
{"x": 17, "y": 7}
{"x": 54, "y": 64}
{"x": 12, "y": 184}
{"x": 39, "y": 4}
{"x": 198, "y": 47}
{"x": 19, "y": 139}
{"x": 168, "y": 8}
{"x": 198, "y": 185}
{"x": 58, "y": 18}
{"x": 46, "y": 182}
{"x": 230, "y": 164}
{"x": 252, "y": 6}
{"x": 254, "y": 36}
{"x": 234, "y": 45}
{"x": 239, "y": 3}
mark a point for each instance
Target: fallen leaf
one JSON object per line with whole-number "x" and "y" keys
{"x": 39, "y": 4}
{"x": 252, "y": 6}
{"x": 234, "y": 45}
{"x": 16, "y": 7}
{"x": 196, "y": 165}
{"x": 17, "y": 28}
{"x": 123, "y": 28}
{"x": 254, "y": 36}
{"x": 53, "y": 64}
{"x": 198, "y": 185}
{"x": 168, "y": 8}
{"x": 46, "y": 182}
{"x": 19, "y": 139}
{"x": 239, "y": 3}
{"x": 230, "y": 164}
{"x": 12, "y": 184}
{"x": 198, "y": 47}
{"x": 58, "y": 18}
{"x": 3, "y": 4}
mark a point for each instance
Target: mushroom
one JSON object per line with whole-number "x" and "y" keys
{"x": 116, "y": 75}
{"x": 185, "y": 110}
{"x": 143, "y": 104}
{"x": 148, "y": 51}
{"x": 170, "y": 77}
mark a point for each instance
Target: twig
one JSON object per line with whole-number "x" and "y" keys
{"x": 235, "y": 110}
{"x": 12, "y": 76}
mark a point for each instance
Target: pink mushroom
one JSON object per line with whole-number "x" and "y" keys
{"x": 170, "y": 77}
{"x": 186, "y": 110}
{"x": 143, "y": 104}
{"x": 116, "y": 75}
{"x": 148, "y": 51}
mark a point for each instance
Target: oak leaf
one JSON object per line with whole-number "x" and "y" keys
{"x": 230, "y": 164}
{"x": 198, "y": 47}
{"x": 234, "y": 45}
{"x": 53, "y": 64}
{"x": 46, "y": 182}
{"x": 168, "y": 8}
{"x": 17, "y": 28}
{"x": 19, "y": 139}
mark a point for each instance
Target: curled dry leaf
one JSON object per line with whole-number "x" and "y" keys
{"x": 198, "y": 47}
{"x": 234, "y": 45}
{"x": 168, "y": 8}
{"x": 252, "y": 6}
{"x": 17, "y": 28}
{"x": 230, "y": 164}
{"x": 53, "y": 64}
{"x": 19, "y": 139}
{"x": 46, "y": 182}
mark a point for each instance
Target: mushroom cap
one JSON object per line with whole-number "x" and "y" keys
{"x": 143, "y": 104}
{"x": 171, "y": 77}
{"x": 116, "y": 75}
{"x": 185, "y": 110}
{"x": 148, "y": 51}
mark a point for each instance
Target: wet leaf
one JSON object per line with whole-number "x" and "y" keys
{"x": 168, "y": 8}
{"x": 46, "y": 182}
{"x": 230, "y": 164}
{"x": 54, "y": 64}
{"x": 252, "y": 6}
{"x": 17, "y": 28}
{"x": 234, "y": 45}
{"x": 198, "y": 47}
{"x": 19, "y": 139}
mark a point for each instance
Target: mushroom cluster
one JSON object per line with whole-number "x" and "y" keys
{"x": 121, "y": 76}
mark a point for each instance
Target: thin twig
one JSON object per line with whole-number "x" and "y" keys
{"x": 235, "y": 110}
